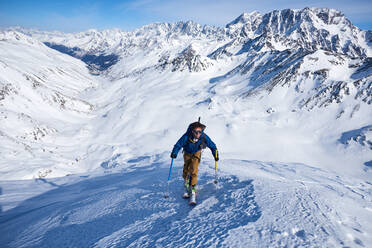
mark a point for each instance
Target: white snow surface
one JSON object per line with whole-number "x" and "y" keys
{"x": 85, "y": 157}
{"x": 254, "y": 204}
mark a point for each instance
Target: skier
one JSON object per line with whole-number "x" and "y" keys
{"x": 192, "y": 142}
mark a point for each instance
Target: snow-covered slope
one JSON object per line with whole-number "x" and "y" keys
{"x": 255, "y": 204}
{"x": 41, "y": 111}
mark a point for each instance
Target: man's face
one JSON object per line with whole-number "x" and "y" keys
{"x": 197, "y": 132}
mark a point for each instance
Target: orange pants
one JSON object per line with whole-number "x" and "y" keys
{"x": 191, "y": 166}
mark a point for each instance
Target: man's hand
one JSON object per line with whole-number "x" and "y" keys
{"x": 216, "y": 158}
{"x": 173, "y": 155}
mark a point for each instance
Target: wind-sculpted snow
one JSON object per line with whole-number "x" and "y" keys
{"x": 229, "y": 207}
{"x": 255, "y": 204}
{"x": 315, "y": 26}
{"x": 266, "y": 70}
{"x": 128, "y": 209}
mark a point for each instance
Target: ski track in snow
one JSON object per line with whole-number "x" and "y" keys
{"x": 255, "y": 204}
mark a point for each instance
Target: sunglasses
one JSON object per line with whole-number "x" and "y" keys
{"x": 196, "y": 132}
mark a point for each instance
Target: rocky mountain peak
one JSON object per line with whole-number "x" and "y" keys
{"x": 188, "y": 59}
{"x": 245, "y": 18}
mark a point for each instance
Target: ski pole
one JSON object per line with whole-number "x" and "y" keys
{"x": 169, "y": 176}
{"x": 215, "y": 170}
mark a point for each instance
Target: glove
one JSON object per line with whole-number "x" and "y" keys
{"x": 173, "y": 155}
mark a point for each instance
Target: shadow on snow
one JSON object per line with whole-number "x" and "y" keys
{"x": 128, "y": 209}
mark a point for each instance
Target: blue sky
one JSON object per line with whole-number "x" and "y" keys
{"x": 79, "y": 15}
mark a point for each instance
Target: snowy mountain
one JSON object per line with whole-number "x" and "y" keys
{"x": 286, "y": 96}
{"x": 284, "y": 65}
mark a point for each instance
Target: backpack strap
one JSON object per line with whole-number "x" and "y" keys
{"x": 203, "y": 144}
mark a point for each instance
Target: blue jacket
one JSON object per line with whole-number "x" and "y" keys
{"x": 188, "y": 146}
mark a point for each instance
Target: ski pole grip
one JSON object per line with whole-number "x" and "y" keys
{"x": 216, "y": 161}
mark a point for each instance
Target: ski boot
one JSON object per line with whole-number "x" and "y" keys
{"x": 186, "y": 194}
{"x": 193, "y": 196}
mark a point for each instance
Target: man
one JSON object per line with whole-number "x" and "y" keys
{"x": 192, "y": 142}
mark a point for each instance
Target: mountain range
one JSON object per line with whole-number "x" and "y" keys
{"x": 289, "y": 85}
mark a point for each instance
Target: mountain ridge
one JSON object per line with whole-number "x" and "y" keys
{"x": 269, "y": 70}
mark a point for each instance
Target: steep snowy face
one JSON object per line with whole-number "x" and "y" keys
{"x": 314, "y": 78}
{"x": 312, "y": 29}
{"x": 309, "y": 28}
{"x": 40, "y": 106}
{"x": 332, "y": 88}
{"x": 188, "y": 59}
{"x": 315, "y": 53}
{"x": 244, "y": 25}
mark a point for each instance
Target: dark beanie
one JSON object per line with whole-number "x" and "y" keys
{"x": 196, "y": 125}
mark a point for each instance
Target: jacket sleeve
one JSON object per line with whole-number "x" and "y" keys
{"x": 211, "y": 145}
{"x": 180, "y": 143}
